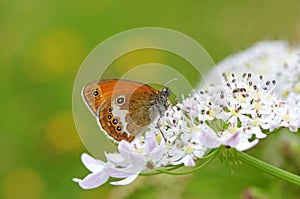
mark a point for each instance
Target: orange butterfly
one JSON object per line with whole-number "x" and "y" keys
{"x": 125, "y": 108}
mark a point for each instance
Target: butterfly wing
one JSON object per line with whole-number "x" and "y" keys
{"x": 112, "y": 120}
{"x": 96, "y": 93}
{"x": 122, "y": 107}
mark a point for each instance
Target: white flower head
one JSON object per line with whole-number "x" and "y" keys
{"x": 259, "y": 92}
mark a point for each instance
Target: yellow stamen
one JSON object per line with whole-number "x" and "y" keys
{"x": 286, "y": 118}
{"x": 158, "y": 138}
{"x": 233, "y": 129}
{"x": 189, "y": 149}
{"x": 241, "y": 99}
{"x": 257, "y": 95}
{"x": 233, "y": 112}
{"x": 285, "y": 93}
{"x": 297, "y": 88}
{"x": 256, "y": 122}
{"x": 139, "y": 150}
{"x": 257, "y": 106}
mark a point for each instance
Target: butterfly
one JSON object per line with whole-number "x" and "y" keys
{"x": 125, "y": 108}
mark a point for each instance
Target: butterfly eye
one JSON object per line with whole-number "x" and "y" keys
{"x": 115, "y": 121}
{"x": 119, "y": 128}
{"x": 120, "y": 100}
{"x": 109, "y": 117}
{"x": 95, "y": 93}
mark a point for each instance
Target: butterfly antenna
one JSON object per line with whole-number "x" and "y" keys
{"x": 168, "y": 82}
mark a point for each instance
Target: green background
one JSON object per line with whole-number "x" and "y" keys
{"x": 43, "y": 43}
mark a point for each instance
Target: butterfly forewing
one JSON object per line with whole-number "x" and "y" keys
{"x": 98, "y": 92}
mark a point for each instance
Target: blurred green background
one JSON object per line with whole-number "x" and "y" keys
{"x": 42, "y": 46}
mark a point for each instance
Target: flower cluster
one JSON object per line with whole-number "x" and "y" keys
{"x": 236, "y": 113}
{"x": 128, "y": 163}
{"x": 272, "y": 59}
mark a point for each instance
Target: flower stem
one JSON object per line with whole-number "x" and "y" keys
{"x": 190, "y": 171}
{"x": 170, "y": 171}
{"x": 275, "y": 171}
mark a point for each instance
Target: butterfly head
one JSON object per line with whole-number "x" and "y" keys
{"x": 166, "y": 92}
{"x": 164, "y": 95}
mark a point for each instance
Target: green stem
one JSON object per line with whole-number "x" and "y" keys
{"x": 187, "y": 172}
{"x": 275, "y": 171}
{"x": 209, "y": 158}
{"x": 157, "y": 172}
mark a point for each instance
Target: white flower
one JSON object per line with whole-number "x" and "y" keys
{"x": 127, "y": 164}
{"x": 234, "y": 112}
{"x": 97, "y": 177}
{"x": 231, "y": 139}
{"x": 187, "y": 149}
{"x": 271, "y": 59}
{"x": 135, "y": 164}
{"x": 291, "y": 114}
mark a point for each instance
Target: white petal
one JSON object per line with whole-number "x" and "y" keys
{"x": 245, "y": 145}
{"x": 244, "y": 119}
{"x": 150, "y": 145}
{"x": 158, "y": 153}
{"x": 122, "y": 172}
{"x": 232, "y": 141}
{"x": 232, "y": 120}
{"x": 258, "y": 133}
{"x": 185, "y": 137}
{"x": 116, "y": 159}
{"x": 76, "y": 180}
{"x": 93, "y": 180}
{"x": 187, "y": 160}
{"x": 130, "y": 155}
{"x": 293, "y": 128}
{"x": 199, "y": 153}
{"x": 209, "y": 139}
{"x": 126, "y": 181}
{"x": 91, "y": 163}
{"x": 223, "y": 116}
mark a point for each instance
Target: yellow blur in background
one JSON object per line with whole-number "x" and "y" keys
{"x": 43, "y": 44}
